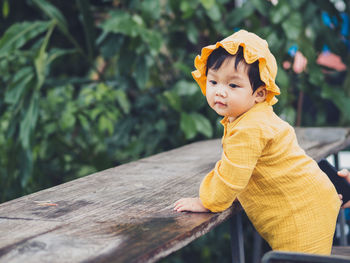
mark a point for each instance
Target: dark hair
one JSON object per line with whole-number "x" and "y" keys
{"x": 219, "y": 55}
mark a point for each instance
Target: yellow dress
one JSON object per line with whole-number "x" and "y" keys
{"x": 289, "y": 200}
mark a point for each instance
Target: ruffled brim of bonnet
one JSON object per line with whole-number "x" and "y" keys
{"x": 254, "y": 48}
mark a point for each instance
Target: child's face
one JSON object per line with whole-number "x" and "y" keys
{"x": 229, "y": 91}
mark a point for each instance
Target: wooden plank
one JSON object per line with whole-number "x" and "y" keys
{"x": 321, "y": 142}
{"x": 124, "y": 214}
{"x": 341, "y": 251}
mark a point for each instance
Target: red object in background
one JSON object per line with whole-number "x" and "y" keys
{"x": 300, "y": 62}
{"x": 327, "y": 59}
{"x": 331, "y": 60}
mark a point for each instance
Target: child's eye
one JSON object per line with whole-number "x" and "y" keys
{"x": 233, "y": 85}
{"x": 213, "y": 82}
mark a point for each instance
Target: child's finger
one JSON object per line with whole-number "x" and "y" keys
{"x": 343, "y": 173}
{"x": 178, "y": 206}
{"x": 179, "y": 209}
{"x": 180, "y": 201}
{"x": 182, "y": 209}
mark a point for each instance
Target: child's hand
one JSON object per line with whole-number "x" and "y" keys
{"x": 190, "y": 204}
{"x": 346, "y": 174}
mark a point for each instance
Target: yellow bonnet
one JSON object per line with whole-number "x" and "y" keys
{"x": 254, "y": 48}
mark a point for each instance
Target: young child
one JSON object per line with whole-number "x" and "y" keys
{"x": 289, "y": 200}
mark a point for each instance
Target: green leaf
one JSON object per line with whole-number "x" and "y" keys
{"x": 338, "y": 97}
{"x": 137, "y": 19}
{"x": 153, "y": 39}
{"x": 113, "y": 114}
{"x": 151, "y": 8}
{"x": 88, "y": 25}
{"x": 186, "y": 88}
{"x": 279, "y": 12}
{"x": 19, "y": 34}
{"x": 5, "y": 9}
{"x": 26, "y": 166}
{"x": 239, "y": 14}
{"x": 192, "y": 33}
{"x": 95, "y": 112}
{"x": 275, "y": 42}
{"x": 297, "y": 4}
{"x": 214, "y": 13}
{"x": 202, "y": 124}
{"x": 111, "y": 45}
{"x": 68, "y": 119}
{"x": 188, "y": 126}
{"x": 123, "y": 100}
{"x": 133, "y": 26}
{"x": 184, "y": 68}
{"x": 126, "y": 61}
{"x": 316, "y": 76}
{"x": 140, "y": 73}
{"x": 289, "y": 115}
{"x": 262, "y": 6}
{"x": 84, "y": 122}
{"x": 173, "y": 99}
{"x": 282, "y": 79}
{"x": 100, "y": 91}
{"x": 207, "y": 3}
{"x": 160, "y": 126}
{"x": 105, "y": 125}
{"x": 18, "y": 85}
{"x": 53, "y": 13}
{"x": 40, "y": 61}
{"x": 187, "y": 9}
{"x": 293, "y": 26}
{"x": 29, "y": 120}
{"x": 120, "y": 22}
{"x": 55, "y": 53}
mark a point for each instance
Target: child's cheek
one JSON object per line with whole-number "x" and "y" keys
{"x": 211, "y": 103}
{"x": 209, "y": 93}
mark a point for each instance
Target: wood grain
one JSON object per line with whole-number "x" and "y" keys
{"x": 341, "y": 251}
{"x": 125, "y": 214}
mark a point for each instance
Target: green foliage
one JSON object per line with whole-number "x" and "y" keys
{"x": 90, "y": 85}
{"x": 87, "y": 86}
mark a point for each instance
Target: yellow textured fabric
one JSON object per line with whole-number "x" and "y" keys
{"x": 290, "y": 201}
{"x": 254, "y": 48}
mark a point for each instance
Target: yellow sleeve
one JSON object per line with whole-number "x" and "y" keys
{"x": 231, "y": 174}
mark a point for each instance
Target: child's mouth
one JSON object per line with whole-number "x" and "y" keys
{"x": 220, "y": 103}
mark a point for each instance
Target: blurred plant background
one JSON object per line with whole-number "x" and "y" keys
{"x": 88, "y": 85}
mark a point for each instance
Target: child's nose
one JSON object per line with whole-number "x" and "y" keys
{"x": 220, "y": 91}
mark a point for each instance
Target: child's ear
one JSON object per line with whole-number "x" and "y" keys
{"x": 260, "y": 94}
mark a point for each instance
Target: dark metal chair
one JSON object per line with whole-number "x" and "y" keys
{"x": 290, "y": 257}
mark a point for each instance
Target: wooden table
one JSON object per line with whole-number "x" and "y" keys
{"x": 125, "y": 214}
{"x": 341, "y": 251}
